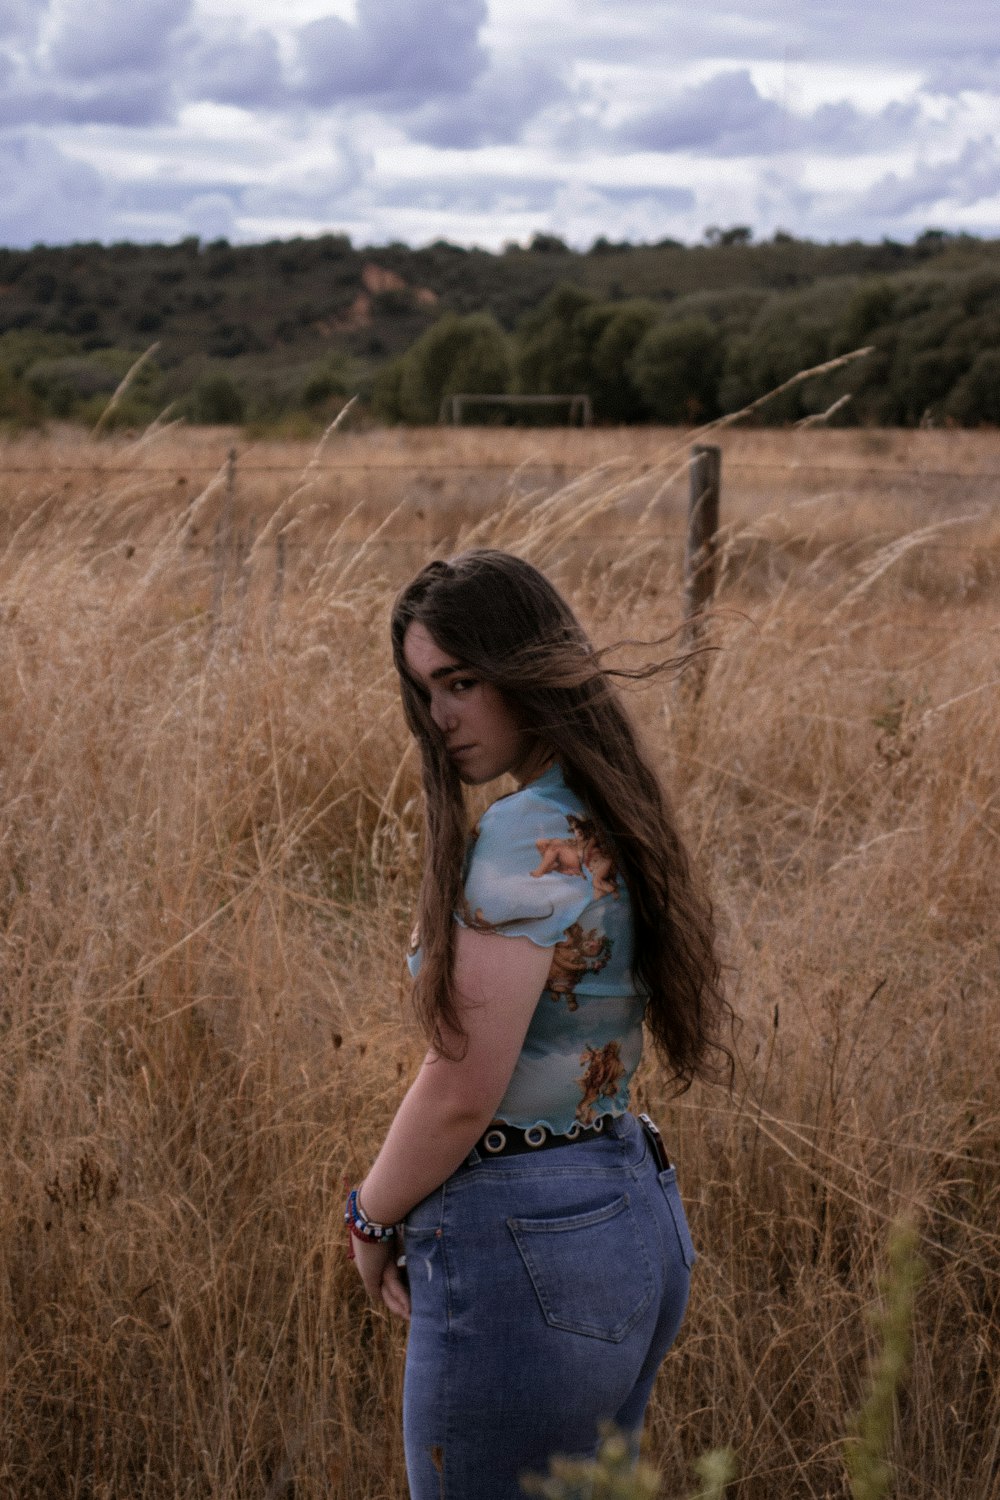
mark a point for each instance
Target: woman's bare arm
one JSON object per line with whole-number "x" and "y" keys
{"x": 498, "y": 981}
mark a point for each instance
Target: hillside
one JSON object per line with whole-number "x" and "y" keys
{"x": 264, "y": 330}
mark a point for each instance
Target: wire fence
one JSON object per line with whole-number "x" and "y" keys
{"x": 541, "y": 466}
{"x": 558, "y": 468}
{"x": 872, "y": 540}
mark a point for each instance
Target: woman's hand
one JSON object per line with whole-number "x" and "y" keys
{"x": 376, "y": 1265}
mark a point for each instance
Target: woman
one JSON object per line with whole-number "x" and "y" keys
{"x": 547, "y": 1251}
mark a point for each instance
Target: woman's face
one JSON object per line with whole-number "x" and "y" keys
{"x": 480, "y": 733}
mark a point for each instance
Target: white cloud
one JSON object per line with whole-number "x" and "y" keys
{"x": 48, "y": 196}
{"x": 211, "y": 216}
{"x": 483, "y": 120}
{"x": 966, "y": 180}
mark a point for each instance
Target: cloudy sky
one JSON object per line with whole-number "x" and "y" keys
{"x": 482, "y": 121}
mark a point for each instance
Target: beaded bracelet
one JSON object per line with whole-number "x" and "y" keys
{"x": 362, "y": 1228}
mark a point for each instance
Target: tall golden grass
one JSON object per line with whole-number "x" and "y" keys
{"x": 209, "y": 843}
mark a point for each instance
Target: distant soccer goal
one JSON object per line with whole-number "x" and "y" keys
{"x": 579, "y": 409}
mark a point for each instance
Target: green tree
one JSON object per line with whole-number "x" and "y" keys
{"x": 455, "y": 355}
{"x": 792, "y": 331}
{"x": 976, "y": 397}
{"x": 216, "y": 400}
{"x": 739, "y": 234}
{"x": 325, "y": 381}
{"x": 387, "y": 390}
{"x": 616, "y": 330}
{"x": 871, "y": 307}
{"x": 20, "y": 407}
{"x": 677, "y": 367}
{"x": 574, "y": 343}
{"x": 553, "y": 344}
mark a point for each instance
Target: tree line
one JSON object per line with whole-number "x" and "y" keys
{"x": 283, "y": 333}
{"x": 935, "y": 354}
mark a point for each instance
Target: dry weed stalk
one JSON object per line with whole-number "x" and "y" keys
{"x": 122, "y": 387}
{"x": 208, "y": 857}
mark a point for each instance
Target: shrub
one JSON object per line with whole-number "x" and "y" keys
{"x": 456, "y": 354}
{"x": 20, "y": 407}
{"x": 617, "y": 329}
{"x": 677, "y": 367}
{"x": 976, "y": 397}
{"x": 216, "y": 399}
{"x": 552, "y": 346}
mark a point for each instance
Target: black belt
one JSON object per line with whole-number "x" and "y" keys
{"x": 510, "y": 1140}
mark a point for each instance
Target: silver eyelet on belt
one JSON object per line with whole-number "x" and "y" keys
{"x": 598, "y": 1125}
{"x": 535, "y": 1135}
{"x": 494, "y": 1141}
{"x": 574, "y": 1130}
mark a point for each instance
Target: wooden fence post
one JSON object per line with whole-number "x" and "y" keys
{"x": 222, "y": 545}
{"x": 279, "y": 575}
{"x": 703, "y": 523}
{"x": 700, "y": 547}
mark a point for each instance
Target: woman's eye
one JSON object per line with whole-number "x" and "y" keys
{"x": 462, "y": 684}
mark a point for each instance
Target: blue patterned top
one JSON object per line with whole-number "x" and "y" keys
{"x": 535, "y": 869}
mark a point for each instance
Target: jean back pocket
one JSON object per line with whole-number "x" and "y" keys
{"x": 590, "y": 1271}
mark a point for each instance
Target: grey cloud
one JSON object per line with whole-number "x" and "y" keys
{"x": 841, "y": 128}
{"x": 214, "y": 206}
{"x": 897, "y": 32}
{"x": 46, "y": 196}
{"x": 472, "y": 193}
{"x": 725, "y": 113}
{"x": 19, "y": 18}
{"x": 668, "y": 199}
{"x": 492, "y": 192}
{"x": 152, "y": 195}
{"x": 400, "y": 53}
{"x": 231, "y": 65}
{"x": 979, "y": 72}
{"x": 102, "y": 63}
{"x": 494, "y": 111}
{"x": 580, "y": 212}
{"x": 311, "y": 195}
{"x": 968, "y": 179}
{"x": 97, "y": 38}
{"x": 726, "y": 116}
{"x": 127, "y": 100}
{"x": 211, "y": 216}
{"x": 901, "y": 31}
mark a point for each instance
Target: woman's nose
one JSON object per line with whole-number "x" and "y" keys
{"x": 444, "y": 716}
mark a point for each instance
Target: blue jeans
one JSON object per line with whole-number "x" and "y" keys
{"x": 545, "y": 1292}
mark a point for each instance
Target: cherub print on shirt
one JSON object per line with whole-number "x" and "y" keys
{"x": 603, "y": 1072}
{"x": 578, "y": 953}
{"x": 536, "y": 869}
{"x": 581, "y": 851}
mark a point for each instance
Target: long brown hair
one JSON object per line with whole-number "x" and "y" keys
{"x": 503, "y": 620}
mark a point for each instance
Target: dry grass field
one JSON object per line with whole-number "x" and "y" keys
{"x": 209, "y": 837}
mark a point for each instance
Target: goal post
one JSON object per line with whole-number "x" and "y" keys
{"x": 579, "y": 408}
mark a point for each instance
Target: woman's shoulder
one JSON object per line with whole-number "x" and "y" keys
{"x": 543, "y": 803}
{"x": 534, "y": 867}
